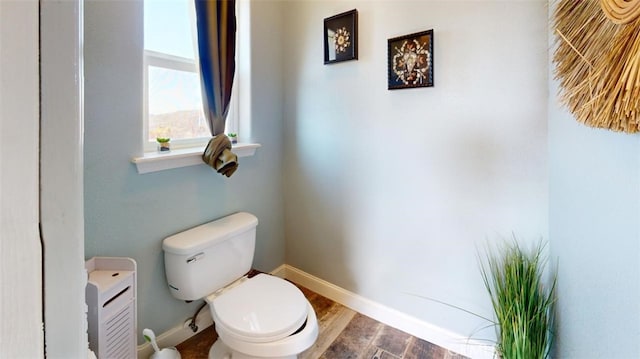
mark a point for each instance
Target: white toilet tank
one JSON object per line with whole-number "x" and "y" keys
{"x": 205, "y": 258}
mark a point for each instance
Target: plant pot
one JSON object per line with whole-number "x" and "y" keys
{"x": 164, "y": 146}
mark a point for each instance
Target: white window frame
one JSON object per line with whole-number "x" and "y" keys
{"x": 177, "y": 63}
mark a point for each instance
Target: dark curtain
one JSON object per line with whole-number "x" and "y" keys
{"x": 216, "y": 26}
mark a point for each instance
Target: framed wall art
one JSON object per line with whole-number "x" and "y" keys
{"x": 410, "y": 61}
{"x": 341, "y": 37}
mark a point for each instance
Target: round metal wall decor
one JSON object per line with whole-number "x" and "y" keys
{"x": 597, "y": 61}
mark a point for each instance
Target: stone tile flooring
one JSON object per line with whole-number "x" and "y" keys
{"x": 344, "y": 334}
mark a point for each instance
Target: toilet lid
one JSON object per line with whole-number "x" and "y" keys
{"x": 262, "y": 309}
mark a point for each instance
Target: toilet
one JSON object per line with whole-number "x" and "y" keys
{"x": 262, "y": 316}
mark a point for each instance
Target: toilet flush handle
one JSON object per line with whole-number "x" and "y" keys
{"x": 195, "y": 258}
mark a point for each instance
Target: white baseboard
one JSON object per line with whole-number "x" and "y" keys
{"x": 423, "y": 330}
{"x": 281, "y": 271}
{"x": 177, "y": 334}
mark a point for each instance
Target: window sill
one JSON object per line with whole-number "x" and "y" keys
{"x": 154, "y": 161}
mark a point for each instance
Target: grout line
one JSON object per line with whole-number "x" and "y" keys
{"x": 373, "y": 339}
{"x": 330, "y": 329}
{"x": 410, "y": 344}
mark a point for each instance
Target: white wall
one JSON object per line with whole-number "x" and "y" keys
{"x": 389, "y": 193}
{"x": 594, "y": 212}
{"x": 21, "y": 334}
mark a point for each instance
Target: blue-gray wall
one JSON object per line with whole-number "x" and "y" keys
{"x": 594, "y": 226}
{"x": 594, "y": 213}
{"x": 127, "y": 214}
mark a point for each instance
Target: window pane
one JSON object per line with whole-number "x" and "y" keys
{"x": 167, "y": 27}
{"x": 175, "y": 105}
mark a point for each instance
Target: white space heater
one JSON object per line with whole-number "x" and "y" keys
{"x": 111, "y": 299}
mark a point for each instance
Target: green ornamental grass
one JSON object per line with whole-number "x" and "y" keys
{"x": 522, "y": 304}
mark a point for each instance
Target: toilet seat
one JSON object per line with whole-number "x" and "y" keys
{"x": 286, "y": 348}
{"x": 261, "y": 309}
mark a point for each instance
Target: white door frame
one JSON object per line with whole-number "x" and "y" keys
{"x": 61, "y": 178}
{"x": 58, "y": 207}
{"x": 21, "y": 334}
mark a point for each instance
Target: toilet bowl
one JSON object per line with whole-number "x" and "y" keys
{"x": 262, "y": 317}
{"x": 255, "y": 317}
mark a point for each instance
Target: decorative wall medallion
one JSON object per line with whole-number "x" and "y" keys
{"x": 410, "y": 61}
{"x": 597, "y": 61}
{"x": 341, "y": 40}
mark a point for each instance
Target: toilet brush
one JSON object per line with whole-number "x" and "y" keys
{"x": 166, "y": 353}
{"x": 150, "y": 336}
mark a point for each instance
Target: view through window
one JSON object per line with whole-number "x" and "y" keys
{"x": 173, "y": 102}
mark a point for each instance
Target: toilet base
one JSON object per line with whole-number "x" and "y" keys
{"x": 219, "y": 350}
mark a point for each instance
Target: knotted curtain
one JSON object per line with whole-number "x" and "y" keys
{"x": 216, "y": 27}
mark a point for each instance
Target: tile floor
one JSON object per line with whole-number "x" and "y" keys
{"x": 344, "y": 334}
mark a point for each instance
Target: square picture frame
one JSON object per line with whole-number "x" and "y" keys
{"x": 340, "y": 37}
{"x": 410, "y": 61}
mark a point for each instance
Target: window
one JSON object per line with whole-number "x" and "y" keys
{"x": 172, "y": 97}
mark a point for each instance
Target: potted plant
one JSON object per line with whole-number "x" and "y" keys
{"x": 233, "y": 137}
{"x": 164, "y": 144}
{"x": 523, "y": 305}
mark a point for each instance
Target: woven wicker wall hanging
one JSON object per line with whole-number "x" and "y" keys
{"x": 597, "y": 61}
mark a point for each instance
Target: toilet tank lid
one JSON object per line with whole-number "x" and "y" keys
{"x": 208, "y": 234}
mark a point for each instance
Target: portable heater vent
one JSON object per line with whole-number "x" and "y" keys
{"x": 111, "y": 299}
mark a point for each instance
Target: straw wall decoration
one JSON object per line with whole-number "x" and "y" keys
{"x": 597, "y": 61}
